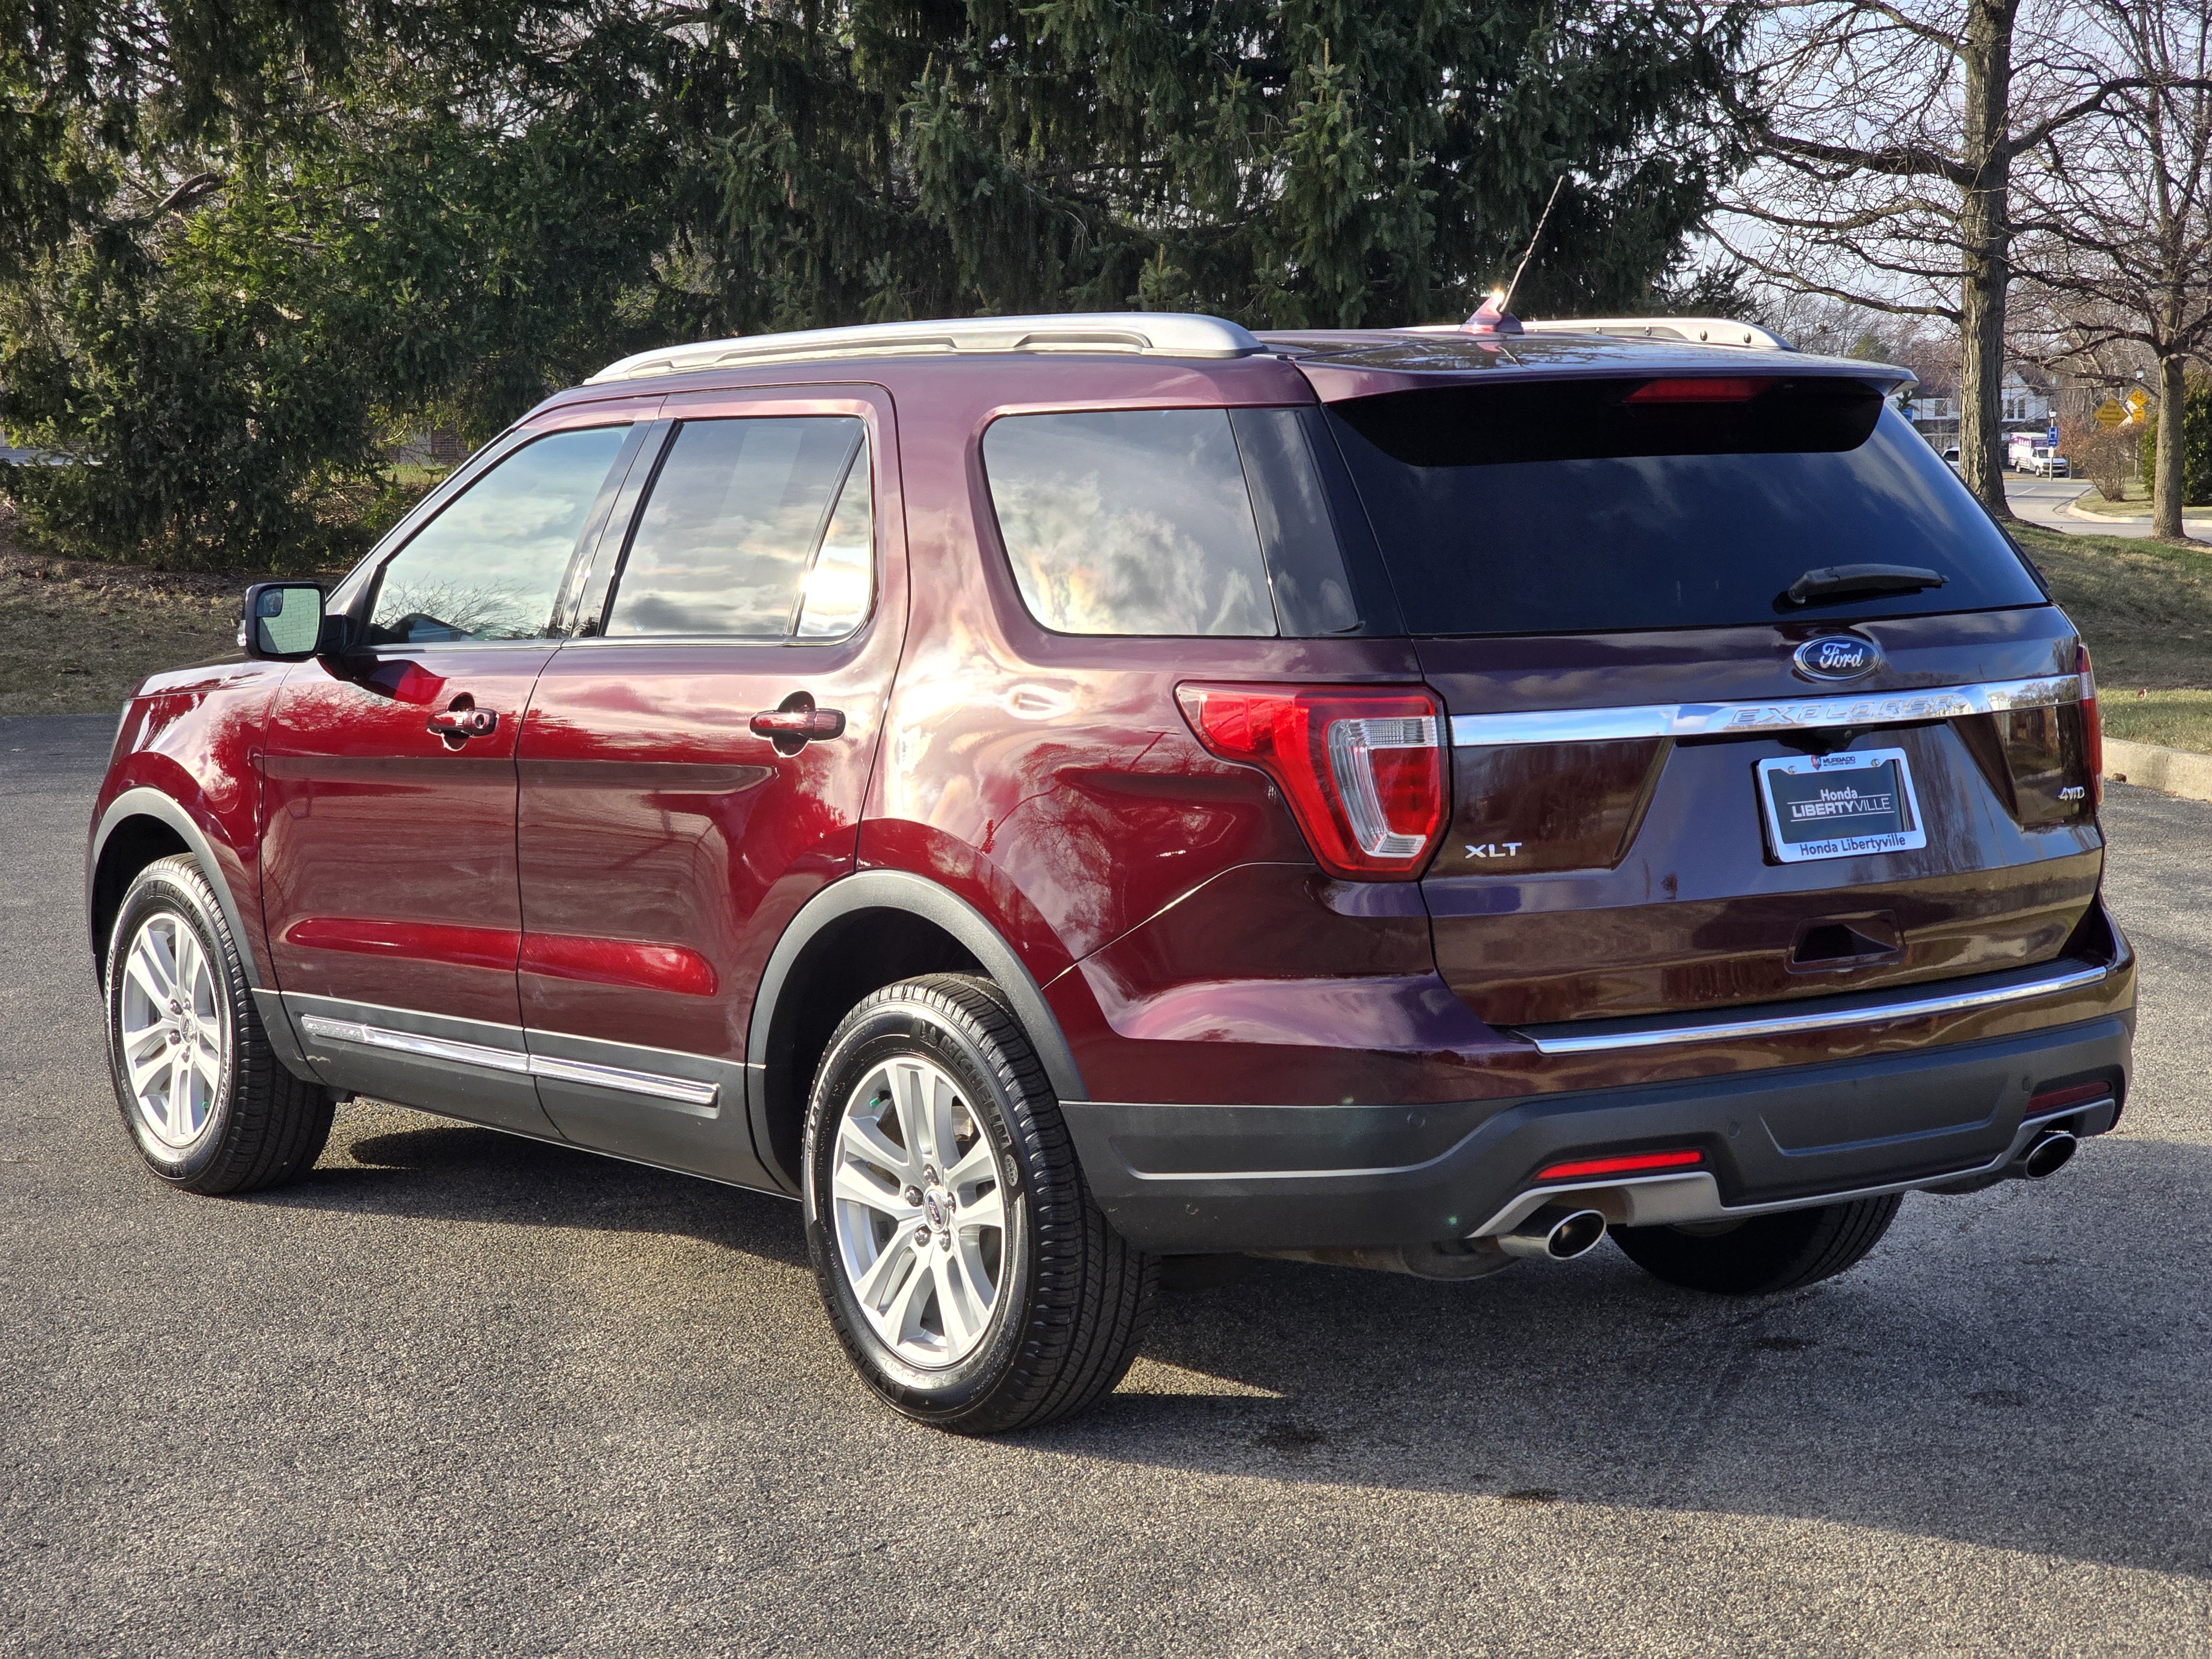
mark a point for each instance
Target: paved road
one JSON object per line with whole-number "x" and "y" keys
{"x": 463, "y": 1393}
{"x": 2043, "y": 501}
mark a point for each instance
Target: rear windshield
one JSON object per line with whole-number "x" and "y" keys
{"x": 1581, "y": 506}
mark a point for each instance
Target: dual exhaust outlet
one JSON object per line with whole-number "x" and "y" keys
{"x": 1558, "y": 1232}
{"x": 1561, "y": 1233}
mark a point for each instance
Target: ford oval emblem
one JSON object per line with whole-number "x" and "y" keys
{"x": 1836, "y": 657}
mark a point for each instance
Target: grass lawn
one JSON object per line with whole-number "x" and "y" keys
{"x": 2134, "y": 504}
{"x": 2146, "y": 609}
{"x": 75, "y": 637}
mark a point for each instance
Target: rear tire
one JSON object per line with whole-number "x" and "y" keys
{"x": 209, "y": 1106}
{"x": 1766, "y": 1254}
{"x": 973, "y": 1282}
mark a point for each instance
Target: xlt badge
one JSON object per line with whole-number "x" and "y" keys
{"x": 1493, "y": 849}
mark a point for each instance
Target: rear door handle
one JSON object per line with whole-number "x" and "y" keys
{"x": 795, "y": 722}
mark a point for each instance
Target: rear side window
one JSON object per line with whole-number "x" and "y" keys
{"x": 1193, "y": 522}
{"x": 489, "y": 566}
{"x": 1600, "y": 506}
{"x": 757, "y": 528}
{"x": 1129, "y": 521}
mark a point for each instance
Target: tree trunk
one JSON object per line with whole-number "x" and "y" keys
{"x": 2166, "y": 487}
{"x": 1985, "y": 248}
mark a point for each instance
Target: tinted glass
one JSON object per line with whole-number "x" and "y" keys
{"x": 730, "y": 527}
{"x": 1305, "y": 564}
{"x": 1130, "y": 521}
{"x": 489, "y": 567}
{"x": 1561, "y": 506}
{"x": 842, "y": 581}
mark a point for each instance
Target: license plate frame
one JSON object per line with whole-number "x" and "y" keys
{"x": 1863, "y": 801}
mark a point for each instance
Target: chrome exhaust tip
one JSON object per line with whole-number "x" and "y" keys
{"x": 1556, "y": 1233}
{"x": 2049, "y": 1155}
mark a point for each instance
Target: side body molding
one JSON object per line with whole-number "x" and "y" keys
{"x": 896, "y": 891}
{"x": 145, "y": 802}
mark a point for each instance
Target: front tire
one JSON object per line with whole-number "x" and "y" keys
{"x": 209, "y": 1106}
{"x": 1765, "y": 1255}
{"x": 973, "y": 1282}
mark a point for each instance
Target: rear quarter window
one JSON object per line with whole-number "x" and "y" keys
{"x": 1564, "y": 507}
{"x": 1129, "y": 521}
{"x": 1191, "y": 522}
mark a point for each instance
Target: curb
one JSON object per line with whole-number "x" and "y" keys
{"x": 2074, "y": 512}
{"x": 2153, "y": 766}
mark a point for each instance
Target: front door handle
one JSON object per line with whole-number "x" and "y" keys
{"x": 795, "y": 722}
{"x": 462, "y": 721}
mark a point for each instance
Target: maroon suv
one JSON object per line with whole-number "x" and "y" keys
{"x": 1053, "y": 793}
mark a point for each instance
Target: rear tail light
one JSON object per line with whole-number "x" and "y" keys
{"x": 2093, "y": 729}
{"x": 1628, "y": 1163}
{"x": 1363, "y": 769}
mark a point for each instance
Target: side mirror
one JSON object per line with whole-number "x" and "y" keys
{"x": 284, "y": 622}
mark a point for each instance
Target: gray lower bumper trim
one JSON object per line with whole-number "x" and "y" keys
{"x": 1672, "y": 1201}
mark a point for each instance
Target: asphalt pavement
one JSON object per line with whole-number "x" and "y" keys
{"x": 463, "y": 1393}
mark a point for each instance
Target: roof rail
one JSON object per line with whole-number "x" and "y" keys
{"x": 1704, "y": 330}
{"x": 1145, "y": 333}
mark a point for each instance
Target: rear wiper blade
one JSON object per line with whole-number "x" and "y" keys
{"x": 1842, "y": 581}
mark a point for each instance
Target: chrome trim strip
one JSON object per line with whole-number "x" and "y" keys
{"x": 410, "y": 1042}
{"x": 1555, "y": 1040}
{"x": 684, "y": 1091}
{"x": 1708, "y": 719}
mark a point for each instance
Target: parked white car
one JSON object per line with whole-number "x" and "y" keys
{"x": 2040, "y": 462}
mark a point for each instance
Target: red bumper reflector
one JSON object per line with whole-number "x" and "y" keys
{"x": 2057, "y": 1100}
{"x": 1630, "y": 1164}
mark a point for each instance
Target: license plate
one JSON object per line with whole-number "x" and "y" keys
{"x": 1840, "y": 806}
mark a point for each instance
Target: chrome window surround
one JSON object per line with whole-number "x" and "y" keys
{"x": 1148, "y": 333}
{"x": 1563, "y": 1040}
{"x": 1717, "y": 719}
{"x": 685, "y": 1090}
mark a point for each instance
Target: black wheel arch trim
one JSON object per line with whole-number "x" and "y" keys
{"x": 916, "y": 895}
{"x": 146, "y": 802}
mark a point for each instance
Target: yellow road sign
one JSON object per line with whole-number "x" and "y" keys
{"x": 2110, "y": 414}
{"x": 2138, "y": 400}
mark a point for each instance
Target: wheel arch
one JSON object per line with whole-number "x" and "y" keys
{"x": 857, "y": 935}
{"x": 139, "y": 826}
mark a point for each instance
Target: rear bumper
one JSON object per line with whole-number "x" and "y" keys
{"x": 1194, "y": 1179}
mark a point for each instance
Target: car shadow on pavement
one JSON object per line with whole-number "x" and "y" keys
{"x": 2024, "y": 1368}
{"x": 452, "y": 1170}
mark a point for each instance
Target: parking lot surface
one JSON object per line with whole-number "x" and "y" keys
{"x": 460, "y": 1392}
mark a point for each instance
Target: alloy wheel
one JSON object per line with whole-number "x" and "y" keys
{"x": 920, "y": 1212}
{"x": 175, "y": 1030}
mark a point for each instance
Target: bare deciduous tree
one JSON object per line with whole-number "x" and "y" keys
{"x": 1886, "y": 178}
{"x": 2116, "y": 222}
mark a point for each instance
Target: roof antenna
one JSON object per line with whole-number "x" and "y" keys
{"x": 1492, "y": 317}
